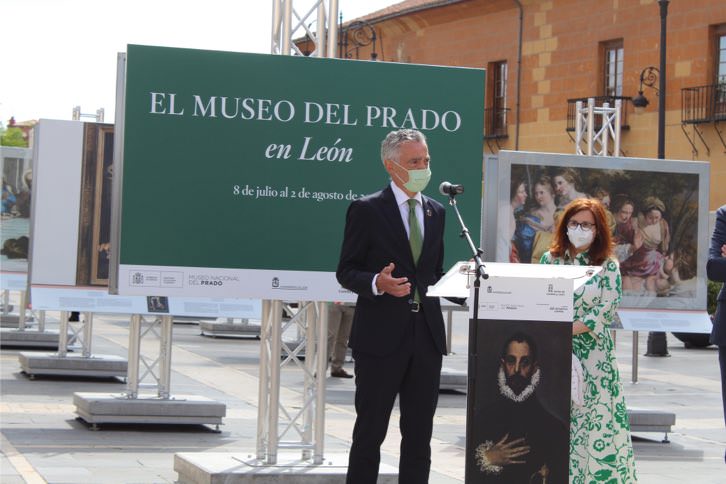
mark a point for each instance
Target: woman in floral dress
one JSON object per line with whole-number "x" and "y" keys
{"x": 600, "y": 446}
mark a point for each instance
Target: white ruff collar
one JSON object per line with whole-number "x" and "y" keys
{"x": 508, "y": 393}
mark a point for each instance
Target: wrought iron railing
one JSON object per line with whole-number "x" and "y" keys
{"x": 599, "y": 101}
{"x": 495, "y": 123}
{"x": 703, "y": 104}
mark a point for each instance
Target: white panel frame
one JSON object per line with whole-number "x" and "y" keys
{"x": 56, "y": 202}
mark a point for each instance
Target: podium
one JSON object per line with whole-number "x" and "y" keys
{"x": 519, "y": 368}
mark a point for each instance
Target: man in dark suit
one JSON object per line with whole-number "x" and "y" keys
{"x": 392, "y": 251}
{"x": 716, "y": 271}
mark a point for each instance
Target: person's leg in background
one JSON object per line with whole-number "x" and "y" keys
{"x": 340, "y": 342}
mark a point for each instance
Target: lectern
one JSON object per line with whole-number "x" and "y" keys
{"x": 519, "y": 369}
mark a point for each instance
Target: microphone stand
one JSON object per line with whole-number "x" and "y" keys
{"x": 472, "y": 360}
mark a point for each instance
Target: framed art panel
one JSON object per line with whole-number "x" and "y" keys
{"x": 657, "y": 212}
{"x": 95, "y": 211}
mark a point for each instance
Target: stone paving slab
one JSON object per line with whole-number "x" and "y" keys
{"x": 40, "y": 363}
{"x": 235, "y": 468}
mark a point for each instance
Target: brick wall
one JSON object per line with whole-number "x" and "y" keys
{"x": 561, "y": 58}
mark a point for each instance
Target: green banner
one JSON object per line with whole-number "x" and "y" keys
{"x": 248, "y": 161}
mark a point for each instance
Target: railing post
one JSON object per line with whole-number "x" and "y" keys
{"x": 605, "y": 128}
{"x": 578, "y": 127}
{"x": 590, "y": 124}
{"x": 616, "y": 126}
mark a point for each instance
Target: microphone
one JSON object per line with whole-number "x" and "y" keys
{"x": 450, "y": 189}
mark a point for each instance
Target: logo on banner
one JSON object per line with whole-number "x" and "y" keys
{"x": 145, "y": 278}
{"x": 276, "y": 285}
{"x": 551, "y": 291}
{"x": 210, "y": 280}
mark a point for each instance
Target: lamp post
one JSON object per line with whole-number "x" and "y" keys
{"x": 657, "y": 342}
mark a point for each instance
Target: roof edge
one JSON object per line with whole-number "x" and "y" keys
{"x": 373, "y": 19}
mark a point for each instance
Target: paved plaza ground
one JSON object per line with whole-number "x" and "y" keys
{"x": 42, "y": 441}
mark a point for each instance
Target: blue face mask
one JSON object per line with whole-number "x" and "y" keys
{"x": 417, "y": 179}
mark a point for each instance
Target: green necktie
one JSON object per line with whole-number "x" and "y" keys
{"x": 414, "y": 238}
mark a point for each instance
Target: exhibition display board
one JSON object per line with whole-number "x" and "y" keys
{"x": 236, "y": 170}
{"x": 71, "y": 229}
{"x": 16, "y": 168}
{"x": 657, "y": 211}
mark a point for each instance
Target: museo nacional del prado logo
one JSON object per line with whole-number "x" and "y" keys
{"x": 211, "y": 280}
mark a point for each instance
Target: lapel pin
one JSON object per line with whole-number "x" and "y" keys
{"x": 428, "y": 212}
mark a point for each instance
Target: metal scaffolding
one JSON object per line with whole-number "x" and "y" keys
{"x": 595, "y": 126}
{"x": 324, "y": 35}
{"x": 300, "y": 425}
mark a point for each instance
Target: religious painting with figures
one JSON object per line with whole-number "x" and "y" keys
{"x": 657, "y": 214}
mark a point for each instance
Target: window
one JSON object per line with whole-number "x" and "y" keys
{"x": 721, "y": 55}
{"x": 719, "y": 96}
{"x": 496, "y": 112}
{"x": 613, "y": 68}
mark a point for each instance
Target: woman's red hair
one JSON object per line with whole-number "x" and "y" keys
{"x": 602, "y": 244}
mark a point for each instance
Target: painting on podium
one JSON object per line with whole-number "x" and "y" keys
{"x": 518, "y": 426}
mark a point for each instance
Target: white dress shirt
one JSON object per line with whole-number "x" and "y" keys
{"x": 402, "y": 201}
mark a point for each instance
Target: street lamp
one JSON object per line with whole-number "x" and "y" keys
{"x": 648, "y": 76}
{"x": 360, "y": 34}
{"x": 657, "y": 342}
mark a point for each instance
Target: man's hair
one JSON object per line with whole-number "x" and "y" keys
{"x": 520, "y": 337}
{"x": 393, "y": 141}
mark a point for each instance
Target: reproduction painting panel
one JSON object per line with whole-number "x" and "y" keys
{"x": 17, "y": 182}
{"x": 95, "y": 213}
{"x": 656, "y": 214}
{"x": 521, "y": 402}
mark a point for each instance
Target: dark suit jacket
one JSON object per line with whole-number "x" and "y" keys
{"x": 374, "y": 237}
{"x": 716, "y": 271}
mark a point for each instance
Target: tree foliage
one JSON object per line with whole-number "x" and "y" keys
{"x": 13, "y": 137}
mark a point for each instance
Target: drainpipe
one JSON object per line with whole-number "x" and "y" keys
{"x": 519, "y": 70}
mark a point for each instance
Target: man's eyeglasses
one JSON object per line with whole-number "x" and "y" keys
{"x": 586, "y": 226}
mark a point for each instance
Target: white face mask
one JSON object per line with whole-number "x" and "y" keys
{"x": 579, "y": 237}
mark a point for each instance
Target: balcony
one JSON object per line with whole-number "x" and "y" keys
{"x": 599, "y": 101}
{"x": 495, "y": 123}
{"x": 703, "y": 104}
{"x": 700, "y": 105}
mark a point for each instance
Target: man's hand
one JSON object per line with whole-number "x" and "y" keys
{"x": 395, "y": 286}
{"x": 723, "y": 250}
{"x": 504, "y": 453}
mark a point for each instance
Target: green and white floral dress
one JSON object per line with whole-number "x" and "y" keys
{"x": 600, "y": 446}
